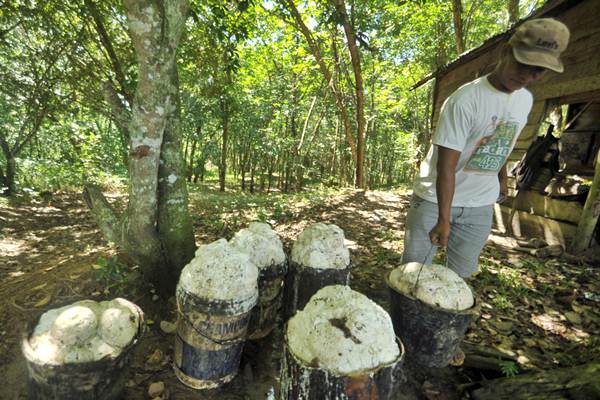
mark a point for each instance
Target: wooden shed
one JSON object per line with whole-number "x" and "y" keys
{"x": 553, "y": 207}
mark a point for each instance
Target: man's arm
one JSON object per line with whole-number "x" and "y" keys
{"x": 444, "y": 185}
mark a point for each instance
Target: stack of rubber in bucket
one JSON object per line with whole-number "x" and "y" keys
{"x": 265, "y": 250}
{"x": 215, "y": 295}
{"x": 230, "y": 292}
{"x": 340, "y": 346}
{"x": 431, "y": 308}
{"x": 319, "y": 258}
{"x": 82, "y": 351}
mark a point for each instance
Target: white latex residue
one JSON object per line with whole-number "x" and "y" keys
{"x": 84, "y": 331}
{"x": 437, "y": 285}
{"x": 321, "y": 246}
{"x": 342, "y": 331}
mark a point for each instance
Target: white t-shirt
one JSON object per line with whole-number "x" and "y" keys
{"x": 483, "y": 123}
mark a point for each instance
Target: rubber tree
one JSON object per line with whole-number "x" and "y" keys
{"x": 155, "y": 230}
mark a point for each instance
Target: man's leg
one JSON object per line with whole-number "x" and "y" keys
{"x": 421, "y": 218}
{"x": 469, "y": 232}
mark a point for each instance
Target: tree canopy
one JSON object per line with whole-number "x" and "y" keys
{"x": 275, "y": 94}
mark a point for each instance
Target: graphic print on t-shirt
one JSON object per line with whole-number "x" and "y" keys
{"x": 491, "y": 152}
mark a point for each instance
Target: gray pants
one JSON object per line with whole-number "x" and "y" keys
{"x": 469, "y": 230}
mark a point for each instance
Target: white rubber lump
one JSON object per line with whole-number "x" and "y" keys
{"x": 342, "y": 331}
{"x": 220, "y": 271}
{"x": 321, "y": 246}
{"x": 84, "y": 331}
{"x": 260, "y": 243}
{"x": 437, "y": 285}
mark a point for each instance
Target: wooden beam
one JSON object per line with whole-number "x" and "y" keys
{"x": 545, "y": 206}
{"x": 589, "y": 216}
{"x": 525, "y": 224}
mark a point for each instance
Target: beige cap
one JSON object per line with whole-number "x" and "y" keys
{"x": 539, "y": 42}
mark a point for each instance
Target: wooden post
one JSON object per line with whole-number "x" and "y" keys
{"x": 589, "y": 216}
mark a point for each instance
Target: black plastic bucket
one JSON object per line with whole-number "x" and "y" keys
{"x": 97, "y": 380}
{"x": 432, "y": 335}
{"x": 301, "y": 283}
{"x": 303, "y": 382}
{"x": 270, "y": 289}
{"x": 209, "y": 340}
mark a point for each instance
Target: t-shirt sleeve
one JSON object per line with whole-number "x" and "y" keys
{"x": 454, "y": 124}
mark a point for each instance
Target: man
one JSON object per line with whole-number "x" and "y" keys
{"x": 464, "y": 172}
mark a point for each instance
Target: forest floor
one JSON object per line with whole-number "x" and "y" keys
{"x": 534, "y": 314}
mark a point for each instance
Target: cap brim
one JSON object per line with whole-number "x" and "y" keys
{"x": 538, "y": 58}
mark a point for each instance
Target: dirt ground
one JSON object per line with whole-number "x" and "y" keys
{"x": 540, "y": 314}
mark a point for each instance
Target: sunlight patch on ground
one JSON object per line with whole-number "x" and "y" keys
{"x": 379, "y": 196}
{"x": 555, "y": 323}
{"x": 351, "y": 244}
{"x": 11, "y": 247}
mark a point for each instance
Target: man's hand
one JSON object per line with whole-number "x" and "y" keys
{"x": 440, "y": 233}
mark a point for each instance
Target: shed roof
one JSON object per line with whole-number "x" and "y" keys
{"x": 551, "y": 8}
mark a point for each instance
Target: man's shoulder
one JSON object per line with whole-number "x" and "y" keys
{"x": 524, "y": 95}
{"x": 474, "y": 88}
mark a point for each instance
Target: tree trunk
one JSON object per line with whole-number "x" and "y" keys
{"x": 174, "y": 223}
{"x": 360, "y": 179}
{"x": 225, "y": 127}
{"x": 458, "y": 26}
{"x": 513, "y": 11}
{"x": 190, "y": 169}
{"x": 155, "y": 230}
{"x": 590, "y": 215}
{"x": 252, "y": 172}
{"x": 9, "y": 177}
{"x": 327, "y": 75}
{"x": 580, "y": 382}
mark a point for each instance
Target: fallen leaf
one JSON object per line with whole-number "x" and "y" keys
{"x": 573, "y": 317}
{"x": 43, "y": 301}
{"x": 503, "y": 326}
{"x": 38, "y": 287}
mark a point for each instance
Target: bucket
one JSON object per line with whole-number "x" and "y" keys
{"x": 270, "y": 289}
{"x": 209, "y": 340}
{"x": 302, "y": 282}
{"x": 97, "y": 380}
{"x": 432, "y": 335}
{"x": 302, "y": 382}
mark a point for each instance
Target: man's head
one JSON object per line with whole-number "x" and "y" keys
{"x": 534, "y": 48}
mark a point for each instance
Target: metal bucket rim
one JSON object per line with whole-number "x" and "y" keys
{"x": 351, "y": 265}
{"x": 204, "y": 302}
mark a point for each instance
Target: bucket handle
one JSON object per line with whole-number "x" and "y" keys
{"x": 414, "y": 289}
{"x": 206, "y": 336}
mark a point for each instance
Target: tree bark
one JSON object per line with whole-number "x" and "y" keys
{"x": 458, "y": 26}
{"x": 174, "y": 223}
{"x": 225, "y": 138}
{"x": 155, "y": 230}
{"x": 588, "y": 220}
{"x": 360, "y": 180}
{"x": 513, "y": 11}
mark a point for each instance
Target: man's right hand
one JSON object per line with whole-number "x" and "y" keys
{"x": 440, "y": 233}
